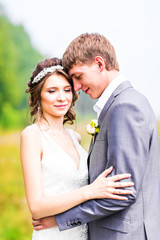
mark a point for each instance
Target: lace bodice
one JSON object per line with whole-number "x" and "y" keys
{"x": 60, "y": 175}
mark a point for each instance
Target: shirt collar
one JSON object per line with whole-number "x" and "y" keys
{"x": 107, "y": 93}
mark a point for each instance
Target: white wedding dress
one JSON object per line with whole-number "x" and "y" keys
{"x": 60, "y": 175}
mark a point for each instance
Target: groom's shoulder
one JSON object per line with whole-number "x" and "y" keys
{"x": 131, "y": 96}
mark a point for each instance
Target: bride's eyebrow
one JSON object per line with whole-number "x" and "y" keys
{"x": 55, "y": 87}
{"x": 51, "y": 87}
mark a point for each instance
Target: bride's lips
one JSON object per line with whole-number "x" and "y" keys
{"x": 60, "y": 106}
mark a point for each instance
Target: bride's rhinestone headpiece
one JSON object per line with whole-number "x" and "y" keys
{"x": 44, "y": 72}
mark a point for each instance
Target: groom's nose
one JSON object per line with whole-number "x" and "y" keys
{"x": 77, "y": 85}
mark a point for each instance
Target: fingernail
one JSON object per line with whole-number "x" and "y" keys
{"x": 130, "y": 192}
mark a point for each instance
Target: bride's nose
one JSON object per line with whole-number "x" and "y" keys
{"x": 61, "y": 96}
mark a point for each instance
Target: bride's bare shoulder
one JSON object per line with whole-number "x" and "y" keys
{"x": 30, "y": 131}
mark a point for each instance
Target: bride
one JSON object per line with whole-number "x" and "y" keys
{"x": 54, "y": 163}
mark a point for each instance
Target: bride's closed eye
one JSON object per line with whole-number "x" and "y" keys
{"x": 51, "y": 91}
{"x": 68, "y": 90}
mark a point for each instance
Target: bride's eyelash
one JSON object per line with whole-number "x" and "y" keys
{"x": 51, "y": 91}
{"x": 68, "y": 90}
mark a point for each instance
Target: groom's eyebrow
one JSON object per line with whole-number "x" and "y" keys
{"x": 75, "y": 74}
{"x": 72, "y": 75}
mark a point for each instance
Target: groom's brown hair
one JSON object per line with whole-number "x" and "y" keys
{"x": 86, "y": 47}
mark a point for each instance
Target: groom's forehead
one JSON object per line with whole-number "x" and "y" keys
{"x": 77, "y": 69}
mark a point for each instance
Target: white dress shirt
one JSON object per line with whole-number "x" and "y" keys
{"x": 107, "y": 93}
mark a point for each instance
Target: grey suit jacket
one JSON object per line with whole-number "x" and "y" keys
{"x": 128, "y": 141}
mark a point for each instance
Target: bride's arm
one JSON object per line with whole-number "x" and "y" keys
{"x": 40, "y": 205}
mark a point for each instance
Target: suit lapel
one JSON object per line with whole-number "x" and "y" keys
{"x": 92, "y": 144}
{"x": 89, "y": 152}
{"x": 90, "y": 147}
{"x": 112, "y": 98}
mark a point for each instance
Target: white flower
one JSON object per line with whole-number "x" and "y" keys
{"x": 93, "y": 127}
{"x": 90, "y": 130}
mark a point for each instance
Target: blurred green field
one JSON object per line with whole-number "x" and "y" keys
{"x": 15, "y": 218}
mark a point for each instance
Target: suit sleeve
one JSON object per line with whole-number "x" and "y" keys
{"x": 127, "y": 140}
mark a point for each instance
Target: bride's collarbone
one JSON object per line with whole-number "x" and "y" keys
{"x": 67, "y": 145}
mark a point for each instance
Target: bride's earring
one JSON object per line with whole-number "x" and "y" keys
{"x": 39, "y": 113}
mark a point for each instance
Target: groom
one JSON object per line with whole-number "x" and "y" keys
{"x": 127, "y": 140}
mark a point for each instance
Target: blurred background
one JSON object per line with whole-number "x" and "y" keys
{"x": 31, "y": 30}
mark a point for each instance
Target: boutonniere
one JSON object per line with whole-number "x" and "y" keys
{"x": 93, "y": 128}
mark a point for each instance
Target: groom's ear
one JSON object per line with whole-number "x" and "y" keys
{"x": 100, "y": 62}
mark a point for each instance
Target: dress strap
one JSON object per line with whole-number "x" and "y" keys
{"x": 72, "y": 134}
{"x": 43, "y": 138}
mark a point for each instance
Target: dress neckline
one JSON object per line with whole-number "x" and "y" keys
{"x": 60, "y": 148}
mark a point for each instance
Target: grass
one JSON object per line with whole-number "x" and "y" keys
{"x": 15, "y": 218}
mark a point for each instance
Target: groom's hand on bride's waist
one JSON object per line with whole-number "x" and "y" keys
{"x": 44, "y": 223}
